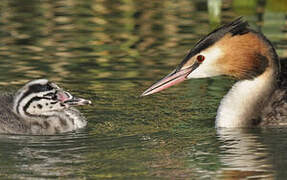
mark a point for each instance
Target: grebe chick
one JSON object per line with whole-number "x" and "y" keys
{"x": 40, "y": 107}
{"x": 258, "y": 97}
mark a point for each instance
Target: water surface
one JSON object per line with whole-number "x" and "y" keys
{"x": 110, "y": 52}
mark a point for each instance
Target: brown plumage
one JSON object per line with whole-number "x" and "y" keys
{"x": 245, "y": 56}
{"x": 275, "y": 111}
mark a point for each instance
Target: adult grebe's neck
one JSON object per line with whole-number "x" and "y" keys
{"x": 242, "y": 105}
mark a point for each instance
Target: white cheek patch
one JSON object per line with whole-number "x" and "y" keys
{"x": 208, "y": 67}
{"x": 20, "y": 104}
{"x": 40, "y": 107}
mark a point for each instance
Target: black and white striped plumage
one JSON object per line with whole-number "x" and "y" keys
{"x": 40, "y": 107}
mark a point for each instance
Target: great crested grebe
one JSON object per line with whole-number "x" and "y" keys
{"x": 40, "y": 107}
{"x": 258, "y": 98}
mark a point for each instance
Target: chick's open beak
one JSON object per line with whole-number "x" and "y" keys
{"x": 77, "y": 102}
{"x": 68, "y": 99}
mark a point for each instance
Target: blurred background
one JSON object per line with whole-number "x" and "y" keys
{"x": 110, "y": 51}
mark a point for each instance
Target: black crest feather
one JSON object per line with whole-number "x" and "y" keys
{"x": 236, "y": 27}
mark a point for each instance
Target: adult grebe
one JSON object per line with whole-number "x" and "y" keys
{"x": 258, "y": 98}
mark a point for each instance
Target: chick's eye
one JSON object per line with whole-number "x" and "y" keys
{"x": 200, "y": 58}
{"x": 54, "y": 97}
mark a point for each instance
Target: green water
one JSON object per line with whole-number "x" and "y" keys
{"x": 110, "y": 51}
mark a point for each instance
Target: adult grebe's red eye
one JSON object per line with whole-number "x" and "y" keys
{"x": 200, "y": 58}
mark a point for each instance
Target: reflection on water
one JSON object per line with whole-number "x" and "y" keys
{"x": 253, "y": 153}
{"x": 244, "y": 155}
{"x": 36, "y": 156}
{"x": 109, "y": 51}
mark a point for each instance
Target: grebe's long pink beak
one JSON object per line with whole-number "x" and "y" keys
{"x": 175, "y": 77}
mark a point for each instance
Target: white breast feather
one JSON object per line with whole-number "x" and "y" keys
{"x": 243, "y": 102}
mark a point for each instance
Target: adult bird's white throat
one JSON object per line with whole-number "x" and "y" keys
{"x": 258, "y": 98}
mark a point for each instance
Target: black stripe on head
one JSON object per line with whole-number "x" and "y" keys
{"x": 236, "y": 27}
{"x": 35, "y": 88}
{"x": 40, "y": 87}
